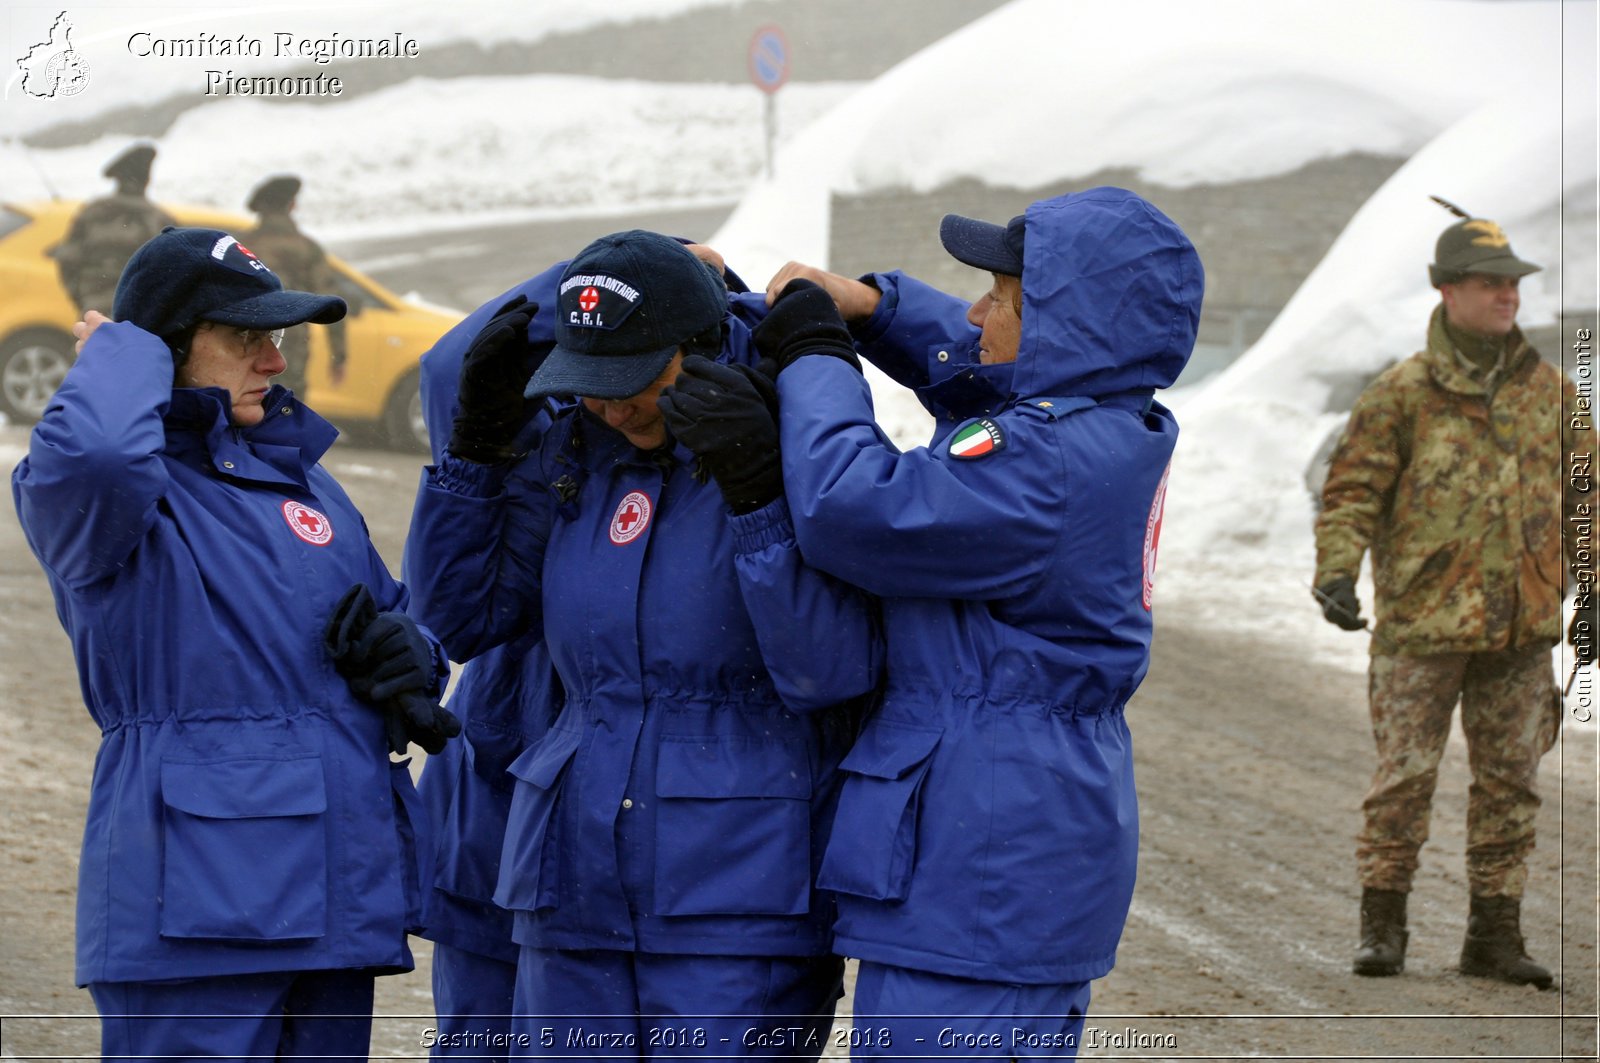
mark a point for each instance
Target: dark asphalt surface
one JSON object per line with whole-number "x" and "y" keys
{"x": 463, "y": 268}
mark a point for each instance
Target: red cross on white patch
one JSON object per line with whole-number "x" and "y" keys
{"x": 1152, "y": 537}
{"x": 588, "y": 299}
{"x": 631, "y": 518}
{"x": 307, "y": 523}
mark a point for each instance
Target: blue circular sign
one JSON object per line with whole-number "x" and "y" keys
{"x": 769, "y": 59}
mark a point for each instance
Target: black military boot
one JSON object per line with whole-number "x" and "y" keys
{"x": 1383, "y": 934}
{"x": 1494, "y": 949}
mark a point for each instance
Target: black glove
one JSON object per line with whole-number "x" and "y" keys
{"x": 415, "y": 717}
{"x": 1340, "y": 606}
{"x": 394, "y": 657}
{"x": 726, "y": 415}
{"x": 350, "y": 618}
{"x": 387, "y": 662}
{"x": 1581, "y": 633}
{"x": 490, "y": 407}
{"x": 803, "y": 320}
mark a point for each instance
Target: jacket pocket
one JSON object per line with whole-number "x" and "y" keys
{"x": 415, "y": 836}
{"x": 530, "y": 868}
{"x": 873, "y": 847}
{"x": 733, "y": 827}
{"x": 246, "y": 852}
{"x": 471, "y": 835}
{"x": 1438, "y": 601}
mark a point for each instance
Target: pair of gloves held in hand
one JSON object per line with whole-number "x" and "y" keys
{"x": 388, "y": 663}
{"x": 726, "y": 414}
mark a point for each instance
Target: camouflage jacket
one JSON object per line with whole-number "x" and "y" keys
{"x": 298, "y": 260}
{"x": 1462, "y": 487}
{"x": 103, "y": 236}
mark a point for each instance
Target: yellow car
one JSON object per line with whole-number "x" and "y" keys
{"x": 385, "y": 335}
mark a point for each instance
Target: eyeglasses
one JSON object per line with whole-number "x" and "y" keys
{"x": 252, "y": 336}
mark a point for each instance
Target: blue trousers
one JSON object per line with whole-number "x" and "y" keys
{"x": 299, "y": 1015}
{"x": 472, "y": 999}
{"x": 916, "y": 1015}
{"x": 641, "y": 1005}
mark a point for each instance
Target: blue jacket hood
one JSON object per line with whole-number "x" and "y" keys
{"x": 1111, "y": 291}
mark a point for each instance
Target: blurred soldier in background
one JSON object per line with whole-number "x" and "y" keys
{"x": 107, "y": 231}
{"x": 1453, "y": 471}
{"x": 302, "y": 264}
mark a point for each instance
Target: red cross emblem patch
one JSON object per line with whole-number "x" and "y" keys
{"x": 1152, "y": 537}
{"x": 307, "y": 523}
{"x": 588, "y": 299}
{"x": 631, "y": 518}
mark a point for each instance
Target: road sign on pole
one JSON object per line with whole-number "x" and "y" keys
{"x": 768, "y": 60}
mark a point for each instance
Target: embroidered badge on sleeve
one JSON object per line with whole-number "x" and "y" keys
{"x": 977, "y": 440}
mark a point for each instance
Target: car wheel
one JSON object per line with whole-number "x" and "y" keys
{"x": 404, "y": 428}
{"x": 32, "y": 365}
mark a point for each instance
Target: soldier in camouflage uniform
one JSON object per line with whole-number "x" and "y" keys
{"x": 302, "y": 264}
{"x": 107, "y": 231}
{"x": 1453, "y": 472}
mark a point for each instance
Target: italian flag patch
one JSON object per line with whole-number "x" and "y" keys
{"x": 979, "y": 439}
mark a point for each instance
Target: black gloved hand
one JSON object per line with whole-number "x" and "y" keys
{"x": 1581, "y": 633}
{"x": 803, "y": 320}
{"x": 356, "y": 609}
{"x": 726, "y": 415}
{"x": 1340, "y": 606}
{"x": 388, "y": 663}
{"x": 399, "y": 669}
{"x": 490, "y": 408}
{"x": 394, "y": 657}
{"x": 420, "y": 719}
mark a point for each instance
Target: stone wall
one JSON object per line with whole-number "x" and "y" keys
{"x": 1258, "y": 239}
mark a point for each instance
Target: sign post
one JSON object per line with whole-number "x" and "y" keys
{"x": 768, "y": 61}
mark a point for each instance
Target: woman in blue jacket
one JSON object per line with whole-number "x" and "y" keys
{"x": 664, "y": 834}
{"x": 985, "y": 844}
{"x": 506, "y": 699}
{"x": 250, "y": 851}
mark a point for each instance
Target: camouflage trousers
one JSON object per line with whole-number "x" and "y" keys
{"x": 1510, "y": 712}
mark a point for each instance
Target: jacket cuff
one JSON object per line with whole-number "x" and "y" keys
{"x": 875, "y": 326}
{"x": 474, "y": 479}
{"x": 1328, "y": 572}
{"x": 768, "y": 526}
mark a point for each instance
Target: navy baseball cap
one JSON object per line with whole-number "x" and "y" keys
{"x": 624, "y": 306}
{"x": 181, "y": 277}
{"x": 984, "y": 245}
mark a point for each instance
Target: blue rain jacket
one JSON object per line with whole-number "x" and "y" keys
{"x": 988, "y": 826}
{"x": 243, "y": 815}
{"x": 465, "y": 807}
{"x": 681, "y": 800}
{"x": 505, "y": 698}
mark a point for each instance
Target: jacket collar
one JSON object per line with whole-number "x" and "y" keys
{"x": 1451, "y": 371}
{"x": 970, "y": 389}
{"x": 282, "y": 449}
{"x": 594, "y": 443}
